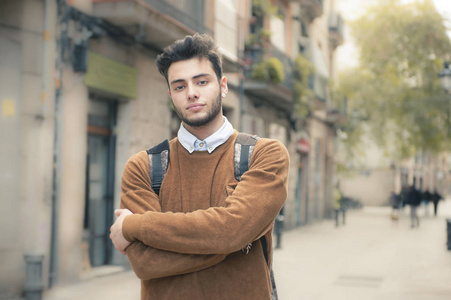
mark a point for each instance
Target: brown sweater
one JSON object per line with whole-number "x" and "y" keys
{"x": 186, "y": 244}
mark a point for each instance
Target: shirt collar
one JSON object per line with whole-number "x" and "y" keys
{"x": 191, "y": 143}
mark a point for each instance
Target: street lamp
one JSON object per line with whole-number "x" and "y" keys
{"x": 445, "y": 80}
{"x": 445, "y": 77}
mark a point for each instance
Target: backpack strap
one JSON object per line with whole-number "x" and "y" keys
{"x": 244, "y": 147}
{"x": 158, "y": 164}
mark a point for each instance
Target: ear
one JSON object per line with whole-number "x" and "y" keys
{"x": 224, "y": 88}
{"x": 169, "y": 93}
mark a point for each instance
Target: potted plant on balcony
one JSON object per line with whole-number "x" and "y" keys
{"x": 270, "y": 70}
{"x": 275, "y": 70}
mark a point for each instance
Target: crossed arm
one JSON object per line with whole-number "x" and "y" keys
{"x": 146, "y": 261}
{"x": 207, "y": 236}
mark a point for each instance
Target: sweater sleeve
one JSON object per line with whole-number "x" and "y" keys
{"x": 249, "y": 210}
{"x": 148, "y": 262}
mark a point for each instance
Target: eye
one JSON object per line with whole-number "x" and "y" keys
{"x": 178, "y": 88}
{"x": 202, "y": 82}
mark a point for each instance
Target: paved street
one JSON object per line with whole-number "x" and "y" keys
{"x": 371, "y": 257}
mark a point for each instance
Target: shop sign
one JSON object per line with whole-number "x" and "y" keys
{"x": 303, "y": 146}
{"x": 111, "y": 76}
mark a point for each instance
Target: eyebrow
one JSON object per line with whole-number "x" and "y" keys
{"x": 194, "y": 77}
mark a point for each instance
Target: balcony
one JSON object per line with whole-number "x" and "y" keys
{"x": 336, "y": 30}
{"x": 154, "y": 22}
{"x": 280, "y": 94}
{"x": 312, "y": 8}
{"x": 287, "y": 67}
{"x": 336, "y": 117}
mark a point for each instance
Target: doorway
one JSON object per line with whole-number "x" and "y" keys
{"x": 99, "y": 200}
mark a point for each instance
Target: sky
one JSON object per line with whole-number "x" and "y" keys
{"x": 347, "y": 56}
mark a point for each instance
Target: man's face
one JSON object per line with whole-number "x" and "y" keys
{"x": 195, "y": 91}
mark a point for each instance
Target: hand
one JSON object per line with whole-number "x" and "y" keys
{"x": 116, "y": 236}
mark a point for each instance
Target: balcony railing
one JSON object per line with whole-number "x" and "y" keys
{"x": 287, "y": 66}
{"x": 336, "y": 29}
{"x": 301, "y": 1}
{"x": 189, "y": 12}
{"x": 337, "y": 112}
{"x": 313, "y": 8}
{"x": 258, "y": 54}
{"x": 155, "y": 23}
{"x": 279, "y": 94}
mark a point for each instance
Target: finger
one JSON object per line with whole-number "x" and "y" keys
{"x": 126, "y": 212}
{"x": 117, "y": 212}
{"x": 123, "y": 212}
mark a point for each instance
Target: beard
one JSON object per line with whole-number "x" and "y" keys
{"x": 214, "y": 110}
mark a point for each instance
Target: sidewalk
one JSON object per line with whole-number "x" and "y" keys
{"x": 371, "y": 257}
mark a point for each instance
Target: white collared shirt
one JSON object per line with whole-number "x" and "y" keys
{"x": 192, "y": 143}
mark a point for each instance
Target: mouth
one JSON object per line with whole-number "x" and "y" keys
{"x": 195, "y": 107}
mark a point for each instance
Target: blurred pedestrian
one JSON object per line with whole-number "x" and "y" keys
{"x": 338, "y": 205}
{"x": 414, "y": 200}
{"x": 436, "y": 197}
{"x": 427, "y": 197}
{"x": 403, "y": 196}
{"x": 396, "y": 203}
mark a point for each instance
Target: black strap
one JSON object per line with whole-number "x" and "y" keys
{"x": 265, "y": 249}
{"x": 164, "y": 145}
{"x": 244, "y": 147}
{"x": 158, "y": 164}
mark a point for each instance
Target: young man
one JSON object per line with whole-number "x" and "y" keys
{"x": 187, "y": 242}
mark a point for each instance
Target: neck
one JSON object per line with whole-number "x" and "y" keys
{"x": 202, "y": 132}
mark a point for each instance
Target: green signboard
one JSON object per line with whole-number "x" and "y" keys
{"x": 109, "y": 75}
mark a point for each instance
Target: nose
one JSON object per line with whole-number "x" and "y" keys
{"x": 193, "y": 94}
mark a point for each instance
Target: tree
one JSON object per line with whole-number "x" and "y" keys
{"x": 396, "y": 91}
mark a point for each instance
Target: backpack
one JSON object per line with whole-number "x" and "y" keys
{"x": 244, "y": 147}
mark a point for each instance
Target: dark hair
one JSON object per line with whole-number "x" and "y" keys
{"x": 198, "y": 45}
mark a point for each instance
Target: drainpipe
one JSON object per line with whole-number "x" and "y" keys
{"x": 63, "y": 15}
{"x": 33, "y": 284}
{"x": 45, "y": 55}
